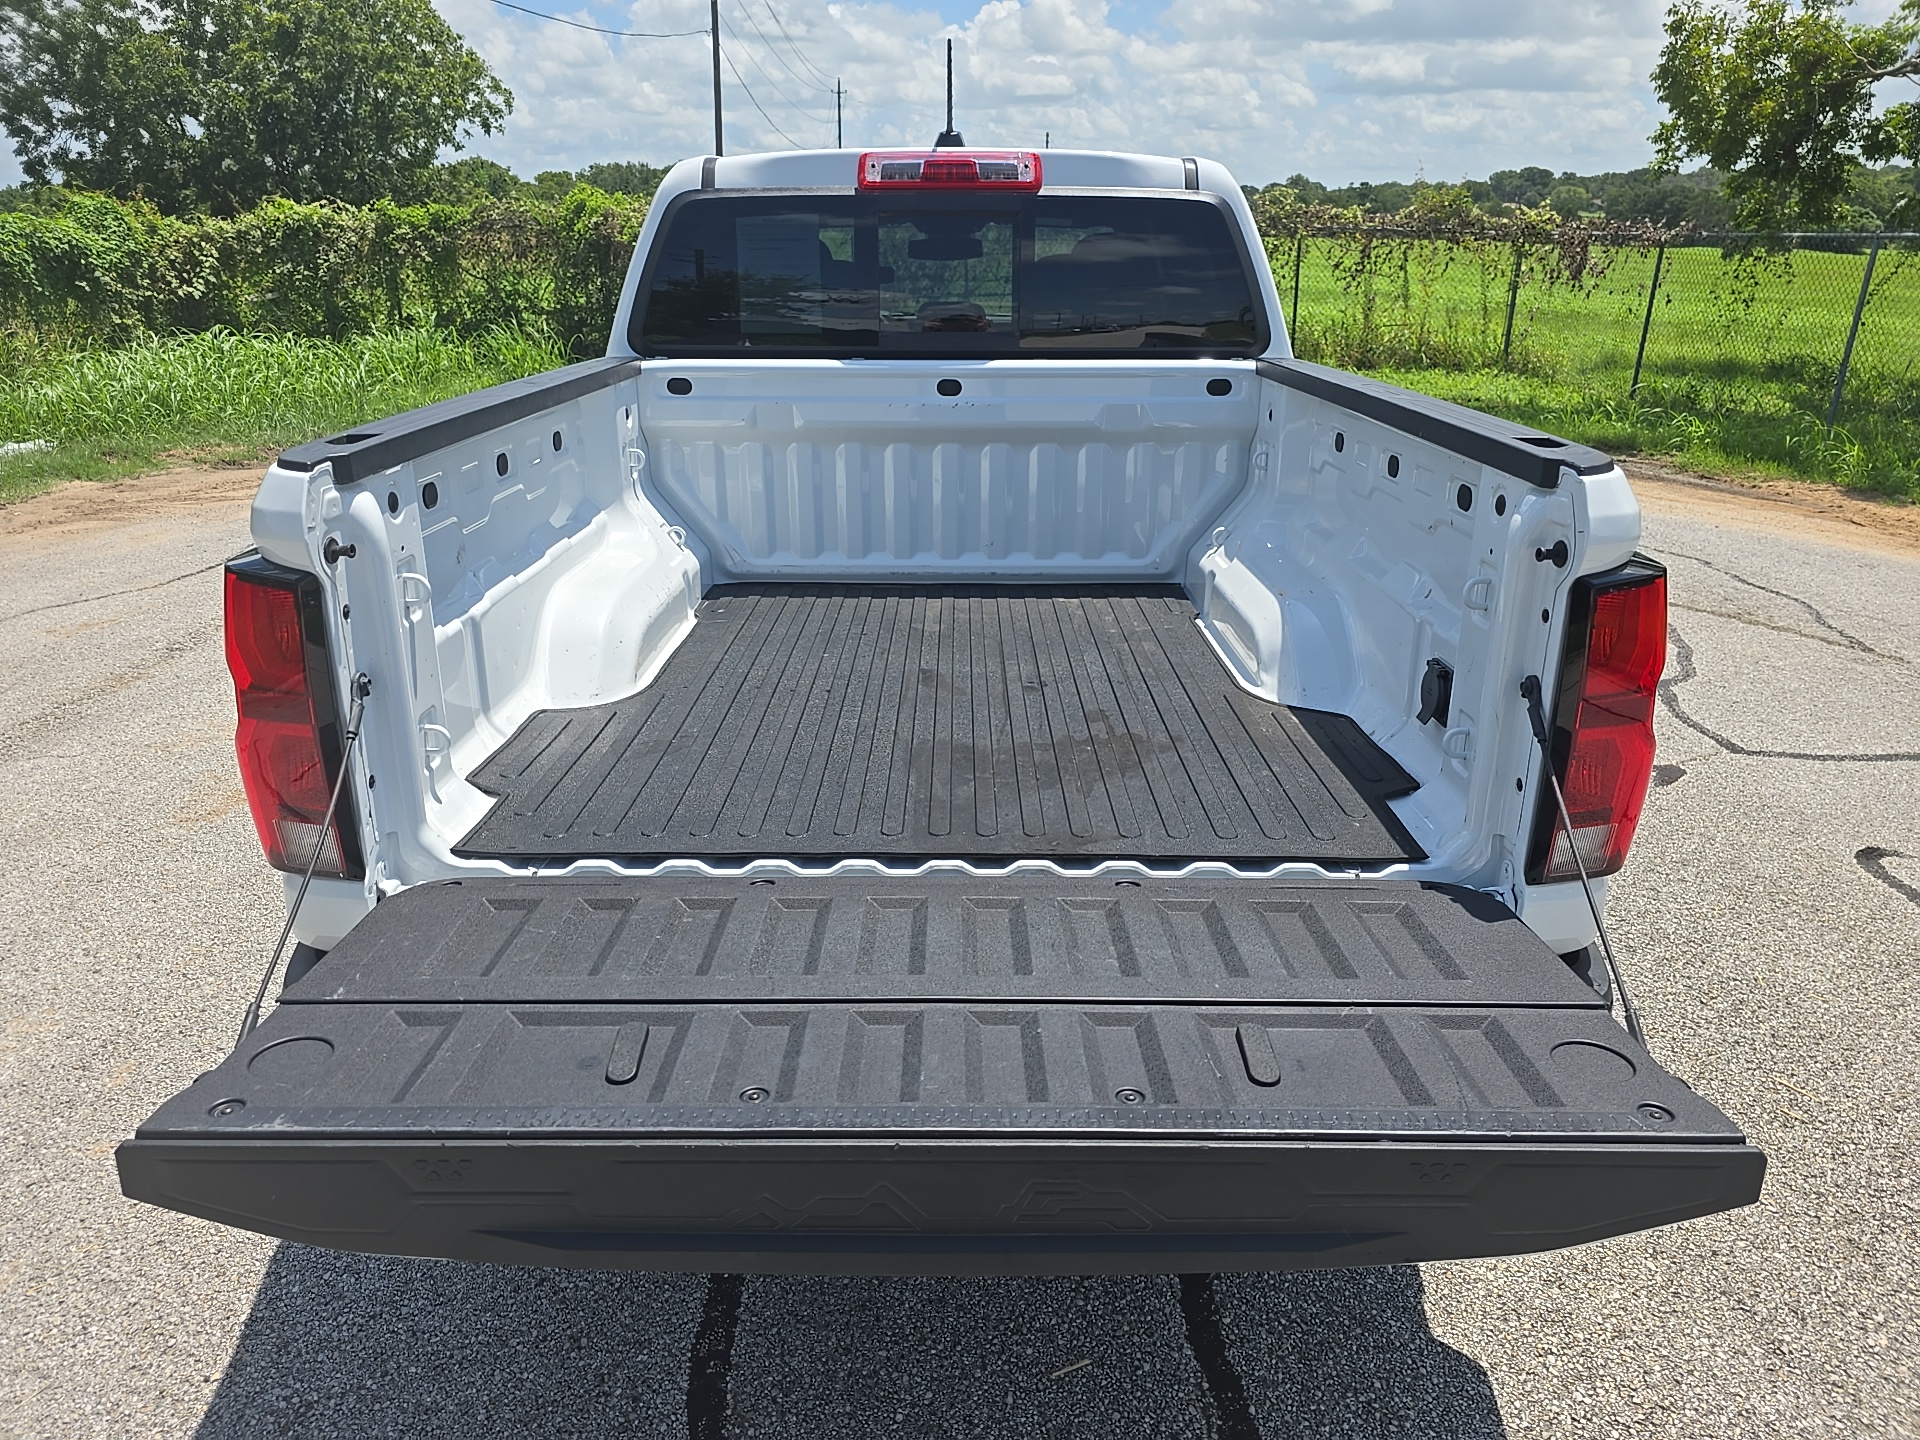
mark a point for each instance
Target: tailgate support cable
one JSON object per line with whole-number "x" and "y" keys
{"x": 362, "y": 688}
{"x": 1537, "y": 717}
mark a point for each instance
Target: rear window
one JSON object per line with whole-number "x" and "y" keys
{"x": 948, "y": 277}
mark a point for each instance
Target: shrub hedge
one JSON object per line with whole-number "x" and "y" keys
{"x": 84, "y": 271}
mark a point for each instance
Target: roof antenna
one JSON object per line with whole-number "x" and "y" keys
{"x": 950, "y": 138}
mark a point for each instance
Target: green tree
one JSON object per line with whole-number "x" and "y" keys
{"x": 1779, "y": 94}
{"x": 218, "y": 104}
{"x": 623, "y": 177}
{"x": 473, "y": 178}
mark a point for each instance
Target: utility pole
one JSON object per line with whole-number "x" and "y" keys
{"x": 839, "y": 131}
{"x": 719, "y": 145}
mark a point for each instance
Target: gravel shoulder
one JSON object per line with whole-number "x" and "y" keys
{"x": 1770, "y": 920}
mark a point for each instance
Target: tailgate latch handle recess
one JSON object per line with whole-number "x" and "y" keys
{"x": 629, "y": 1045}
{"x": 1256, "y": 1049}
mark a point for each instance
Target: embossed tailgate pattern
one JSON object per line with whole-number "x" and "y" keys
{"x": 940, "y": 1074}
{"x": 948, "y": 1002}
{"x": 971, "y": 722}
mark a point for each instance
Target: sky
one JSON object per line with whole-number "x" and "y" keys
{"x": 1342, "y": 90}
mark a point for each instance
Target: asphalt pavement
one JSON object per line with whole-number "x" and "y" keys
{"x": 1769, "y": 920}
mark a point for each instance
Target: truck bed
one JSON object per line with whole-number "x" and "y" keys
{"x": 978, "y": 723}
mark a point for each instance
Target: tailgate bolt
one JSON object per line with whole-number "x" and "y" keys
{"x": 1128, "y": 1096}
{"x": 1658, "y": 1114}
{"x": 228, "y": 1107}
{"x": 753, "y": 1095}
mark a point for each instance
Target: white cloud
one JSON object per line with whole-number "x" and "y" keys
{"x": 1343, "y": 89}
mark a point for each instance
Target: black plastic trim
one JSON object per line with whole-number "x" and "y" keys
{"x": 372, "y": 449}
{"x": 1516, "y": 450}
{"x": 945, "y": 1208}
{"x": 1639, "y": 570}
{"x": 256, "y": 569}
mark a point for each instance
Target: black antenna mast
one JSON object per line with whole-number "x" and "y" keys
{"x": 950, "y": 138}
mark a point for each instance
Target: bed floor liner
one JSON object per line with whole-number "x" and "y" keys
{"x": 979, "y": 723}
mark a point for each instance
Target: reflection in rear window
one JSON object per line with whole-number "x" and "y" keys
{"x": 949, "y": 277}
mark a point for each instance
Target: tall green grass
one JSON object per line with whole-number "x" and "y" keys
{"x": 220, "y": 396}
{"x": 1740, "y": 359}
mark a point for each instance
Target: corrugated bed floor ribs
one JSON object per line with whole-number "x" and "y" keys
{"x": 822, "y": 722}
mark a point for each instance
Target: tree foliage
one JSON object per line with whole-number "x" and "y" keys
{"x": 216, "y": 105}
{"x": 1780, "y": 95}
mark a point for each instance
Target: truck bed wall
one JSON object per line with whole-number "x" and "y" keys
{"x": 833, "y": 470}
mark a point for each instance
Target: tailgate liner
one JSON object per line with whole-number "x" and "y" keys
{"x": 1028, "y": 936}
{"x": 1277, "y": 1075}
{"x": 985, "y": 723}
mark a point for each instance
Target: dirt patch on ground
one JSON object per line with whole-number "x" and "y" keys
{"x": 1821, "y": 513}
{"x": 83, "y": 505}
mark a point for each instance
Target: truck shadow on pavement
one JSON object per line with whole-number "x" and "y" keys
{"x": 357, "y": 1345}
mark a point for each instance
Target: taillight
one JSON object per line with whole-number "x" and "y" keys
{"x": 949, "y": 170}
{"x": 1603, "y": 721}
{"x": 288, "y": 739}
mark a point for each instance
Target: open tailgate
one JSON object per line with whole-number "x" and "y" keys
{"x": 941, "y": 1073}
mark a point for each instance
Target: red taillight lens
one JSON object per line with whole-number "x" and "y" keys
{"x": 949, "y": 170}
{"x": 1603, "y": 721}
{"x": 281, "y": 739}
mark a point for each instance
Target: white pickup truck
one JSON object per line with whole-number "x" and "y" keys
{"x": 948, "y": 750}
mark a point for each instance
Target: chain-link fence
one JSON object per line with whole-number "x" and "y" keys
{"x": 1799, "y": 350}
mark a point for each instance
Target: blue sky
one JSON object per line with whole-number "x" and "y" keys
{"x": 1341, "y": 89}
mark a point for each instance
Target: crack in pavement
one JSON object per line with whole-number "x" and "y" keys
{"x": 1683, "y": 671}
{"x": 111, "y": 594}
{"x": 1838, "y": 643}
{"x": 19, "y": 735}
{"x": 1846, "y": 638}
{"x": 1873, "y": 859}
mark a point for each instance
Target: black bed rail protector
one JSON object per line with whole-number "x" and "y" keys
{"x": 370, "y": 449}
{"x": 1513, "y": 449}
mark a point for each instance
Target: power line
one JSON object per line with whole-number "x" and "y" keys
{"x": 756, "y": 103}
{"x": 599, "y": 29}
{"x": 798, "y": 52}
{"x": 771, "y": 50}
{"x": 768, "y": 77}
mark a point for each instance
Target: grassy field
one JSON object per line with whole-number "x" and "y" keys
{"x": 222, "y": 396}
{"x": 1740, "y": 358}
{"x": 1739, "y": 368}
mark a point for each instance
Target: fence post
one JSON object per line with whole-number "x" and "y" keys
{"x": 1853, "y": 333}
{"x": 1659, "y": 259}
{"x": 1299, "y": 256}
{"x": 1513, "y": 303}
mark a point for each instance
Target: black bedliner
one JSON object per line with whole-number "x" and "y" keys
{"x": 979, "y": 723}
{"x": 941, "y": 1073}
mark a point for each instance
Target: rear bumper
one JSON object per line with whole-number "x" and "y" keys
{"x": 945, "y": 1207}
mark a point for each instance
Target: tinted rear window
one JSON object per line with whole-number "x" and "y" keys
{"x": 948, "y": 276}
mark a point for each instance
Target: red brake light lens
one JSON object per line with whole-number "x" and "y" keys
{"x": 1603, "y": 722}
{"x": 280, "y": 741}
{"x": 949, "y": 170}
